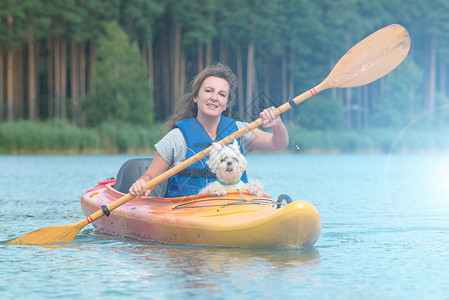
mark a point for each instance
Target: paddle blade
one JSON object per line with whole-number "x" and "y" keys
{"x": 47, "y": 235}
{"x": 372, "y": 58}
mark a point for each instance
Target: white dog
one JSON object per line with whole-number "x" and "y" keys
{"x": 228, "y": 163}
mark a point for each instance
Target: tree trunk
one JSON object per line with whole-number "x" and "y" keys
{"x": 63, "y": 79}
{"x": 19, "y": 87}
{"x": 182, "y": 74}
{"x": 348, "y": 108}
{"x": 339, "y": 96}
{"x": 223, "y": 55}
{"x": 266, "y": 85}
{"x": 209, "y": 53}
{"x": 365, "y": 107}
{"x": 51, "y": 85}
{"x": 291, "y": 77}
{"x": 10, "y": 85}
{"x": 74, "y": 79}
{"x": 117, "y": 78}
{"x": 145, "y": 59}
{"x": 82, "y": 69}
{"x": 284, "y": 75}
{"x": 241, "y": 98}
{"x": 250, "y": 74}
{"x": 92, "y": 58}
{"x": 150, "y": 69}
{"x": 200, "y": 57}
{"x": 164, "y": 66}
{"x": 57, "y": 77}
{"x": 10, "y": 78}
{"x": 32, "y": 105}
{"x": 2, "y": 85}
{"x": 359, "y": 107}
{"x": 291, "y": 83}
{"x": 176, "y": 67}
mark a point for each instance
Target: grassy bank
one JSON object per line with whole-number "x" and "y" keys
{"x": 372, "y": 141}
{"x": 28, "y": 137}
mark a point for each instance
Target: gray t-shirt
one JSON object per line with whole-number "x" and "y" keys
{"x": 173, "y": 148}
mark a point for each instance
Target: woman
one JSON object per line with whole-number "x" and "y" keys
{"x": 201, "y": 120}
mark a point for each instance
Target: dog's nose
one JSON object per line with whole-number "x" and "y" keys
{"x": 229, "y": 163}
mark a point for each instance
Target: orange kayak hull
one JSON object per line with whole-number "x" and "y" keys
{"x": 235, "y": 220}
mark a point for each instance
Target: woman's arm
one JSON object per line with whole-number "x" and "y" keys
{"x": 277, "y": 140}
{"x": 157, "y": 167}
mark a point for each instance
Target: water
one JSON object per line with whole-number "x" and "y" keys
{"x": 385, "y": 234}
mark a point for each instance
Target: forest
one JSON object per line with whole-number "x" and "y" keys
{"x": 90, "y": 63}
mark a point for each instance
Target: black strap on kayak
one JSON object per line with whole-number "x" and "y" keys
{"x": 105, "y": 210}
{"x": 197, "y": 172}
{"x": 281, "y": 198}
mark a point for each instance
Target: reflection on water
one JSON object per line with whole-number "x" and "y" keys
{"x": 194, "y": 259}
{"x": 216, "y": 259}
{"x": 207, "y": 267}
{"x": 177, "y": 270}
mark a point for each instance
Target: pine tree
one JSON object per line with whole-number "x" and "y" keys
{"x": 37, "y": 25}
{"x": 141, "y": 18}
{"x": 121, "y": 89}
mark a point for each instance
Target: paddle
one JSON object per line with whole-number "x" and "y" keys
{"x": 372, "y": 58}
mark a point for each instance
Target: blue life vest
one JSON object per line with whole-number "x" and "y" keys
{"x": 192, "y": 179}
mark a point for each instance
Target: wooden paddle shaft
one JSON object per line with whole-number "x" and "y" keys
{"x": 375, "y": 56}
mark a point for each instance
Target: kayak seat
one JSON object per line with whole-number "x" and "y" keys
{"x": 132, "y": 170}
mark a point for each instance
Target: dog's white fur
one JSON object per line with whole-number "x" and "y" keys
{"x": 228, "y": 163}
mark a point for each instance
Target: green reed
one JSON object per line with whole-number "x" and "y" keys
{"x": 59, "y": 137}
{"x": 27, "y": 137}
{"x": 372, "y": 141}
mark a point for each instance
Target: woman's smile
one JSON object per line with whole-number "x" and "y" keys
{"x": 212, "y": 105}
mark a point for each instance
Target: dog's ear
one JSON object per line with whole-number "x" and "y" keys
{"x": 216, "y": 146}
{"x": 214, "y": 152}
{"x": 235, "y": 146}
{"x": 242, "y": 159}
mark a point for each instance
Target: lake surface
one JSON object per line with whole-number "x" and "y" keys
{"x": 385, "y": 234}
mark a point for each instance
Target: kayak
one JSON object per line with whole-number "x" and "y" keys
{"x": 235, "y": 220}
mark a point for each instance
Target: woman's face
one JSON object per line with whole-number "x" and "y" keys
{"x": 212, "y": 97}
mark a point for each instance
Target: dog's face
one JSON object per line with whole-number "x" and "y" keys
{"x": 227, "y": 162}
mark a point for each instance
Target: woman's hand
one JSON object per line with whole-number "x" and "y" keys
{"x": 270, "y": 119}
{"x": 262, "y": 140}
{"x": 138, "y": 189}
{"x": 157, "y": 167}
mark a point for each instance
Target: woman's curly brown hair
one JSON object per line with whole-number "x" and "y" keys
{"x": 186, "y": 107}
